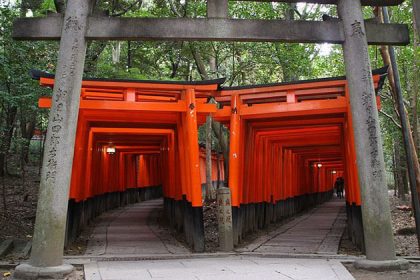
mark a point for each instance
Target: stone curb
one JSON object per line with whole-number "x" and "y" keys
{"x": 27, "y": 271}
{"x": 379, "y": 266}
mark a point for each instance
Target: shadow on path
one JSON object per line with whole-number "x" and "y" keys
{"x": 133, "y": 230}
{"x": 316, "y": 232}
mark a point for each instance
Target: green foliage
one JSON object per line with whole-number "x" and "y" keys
{"x": 48, "y": 5}
{"x": 18, "y": 92}
{"x": 240, "y": 63}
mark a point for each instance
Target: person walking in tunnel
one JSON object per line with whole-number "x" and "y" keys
{"x": 339, "y": 187}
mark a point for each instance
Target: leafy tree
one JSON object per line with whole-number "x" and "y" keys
{"x": 18, "y": 93}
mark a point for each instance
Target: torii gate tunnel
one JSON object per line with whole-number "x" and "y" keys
{"x": 138, "y": 140}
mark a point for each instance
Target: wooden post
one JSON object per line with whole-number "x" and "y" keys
{"x": 194, "y": 169}
{"x": 193, "y": 149}
{"x": 234, "y": 154}
{"x": 48, "y": 242}
{"x": 380, "y": 251}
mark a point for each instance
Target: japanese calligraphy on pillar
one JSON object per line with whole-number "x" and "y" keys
{"x": 224, "y": 216}
{"x": 60, "y": 99}
{"x": 368, "y": 101}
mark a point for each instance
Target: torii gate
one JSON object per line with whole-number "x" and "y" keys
{"x": 78, "y": 25}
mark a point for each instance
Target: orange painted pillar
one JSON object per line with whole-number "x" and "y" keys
{"x": 171, "y": 165}
{"x": 234, "y": 155}
{"x": 193, "y": 149}
{"x": 88, "y": 180}
{"x": 183, "y": 159}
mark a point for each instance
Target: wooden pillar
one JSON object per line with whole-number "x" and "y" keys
{"x": 234, "y": 154}
{"x": 171, "y": 165}
{"x": 380, "y": 251}
{"x": 182, "y": 166}
{"x": 193, "y": 149}
{"x": 48, "y": 242}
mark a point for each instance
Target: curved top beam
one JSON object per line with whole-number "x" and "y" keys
{"x": 364, "y": 2}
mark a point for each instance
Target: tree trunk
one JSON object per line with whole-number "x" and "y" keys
{"x": 394, "y": 168}
{"x": 224, "y": 145}
{"x": 199, "y": 62}
{"x": 116, "y": 52}
{"x": 2, "y": 164}
{"x": 129, "y": 56}
{"x": 387, "y": 61}
{"x": 415, "y": 88}
{"x": 60, "y": 5}
{"x": 213, "y": 64}
{"x": 399, "y": 171}
{"x": 93, "y": 53}
{"x": 27, "y": 127}
{"x": 7, "y": 135}
{"x": 290, "y": 14}
{"x": 209, "y": 183}
{"x": 4, "y": 195}
{"x": 218, "y": 170}
{"x": 41, "y": 151}
{"x": 175, "y": 58}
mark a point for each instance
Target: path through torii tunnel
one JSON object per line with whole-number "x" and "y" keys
{"x": 138, "y": 140}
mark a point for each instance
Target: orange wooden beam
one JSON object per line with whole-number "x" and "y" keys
{"x": 135, "y": 85}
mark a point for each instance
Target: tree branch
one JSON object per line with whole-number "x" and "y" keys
{"x": 199, "y": 62}
{"x": 391, "y": 118}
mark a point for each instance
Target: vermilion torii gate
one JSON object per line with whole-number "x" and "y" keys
{"x": 289, "y": 142}
{"x": 151, "y": 128}
{"x": 77, "y": 26}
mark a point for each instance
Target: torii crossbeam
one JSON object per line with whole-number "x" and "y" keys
{"x": 216, "y": 27}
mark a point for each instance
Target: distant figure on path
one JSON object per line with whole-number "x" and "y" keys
{"x": 339, "y": 187}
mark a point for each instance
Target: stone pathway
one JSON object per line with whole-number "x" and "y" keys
{"x": 132, "y": 236}
{"x": 232, "y": 267}
{"x": 317, "y": 232}
{"x": 132, "y": 230}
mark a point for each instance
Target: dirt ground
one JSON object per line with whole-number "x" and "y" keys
{"x": 404, "y": 226}
{"x": 17, "y": 217}
{"x": 211, "y": 233}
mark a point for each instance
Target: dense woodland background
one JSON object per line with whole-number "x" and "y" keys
{"x": 240, "y": 63}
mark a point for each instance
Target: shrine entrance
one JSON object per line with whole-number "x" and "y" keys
{"x": 182, "y": 106}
